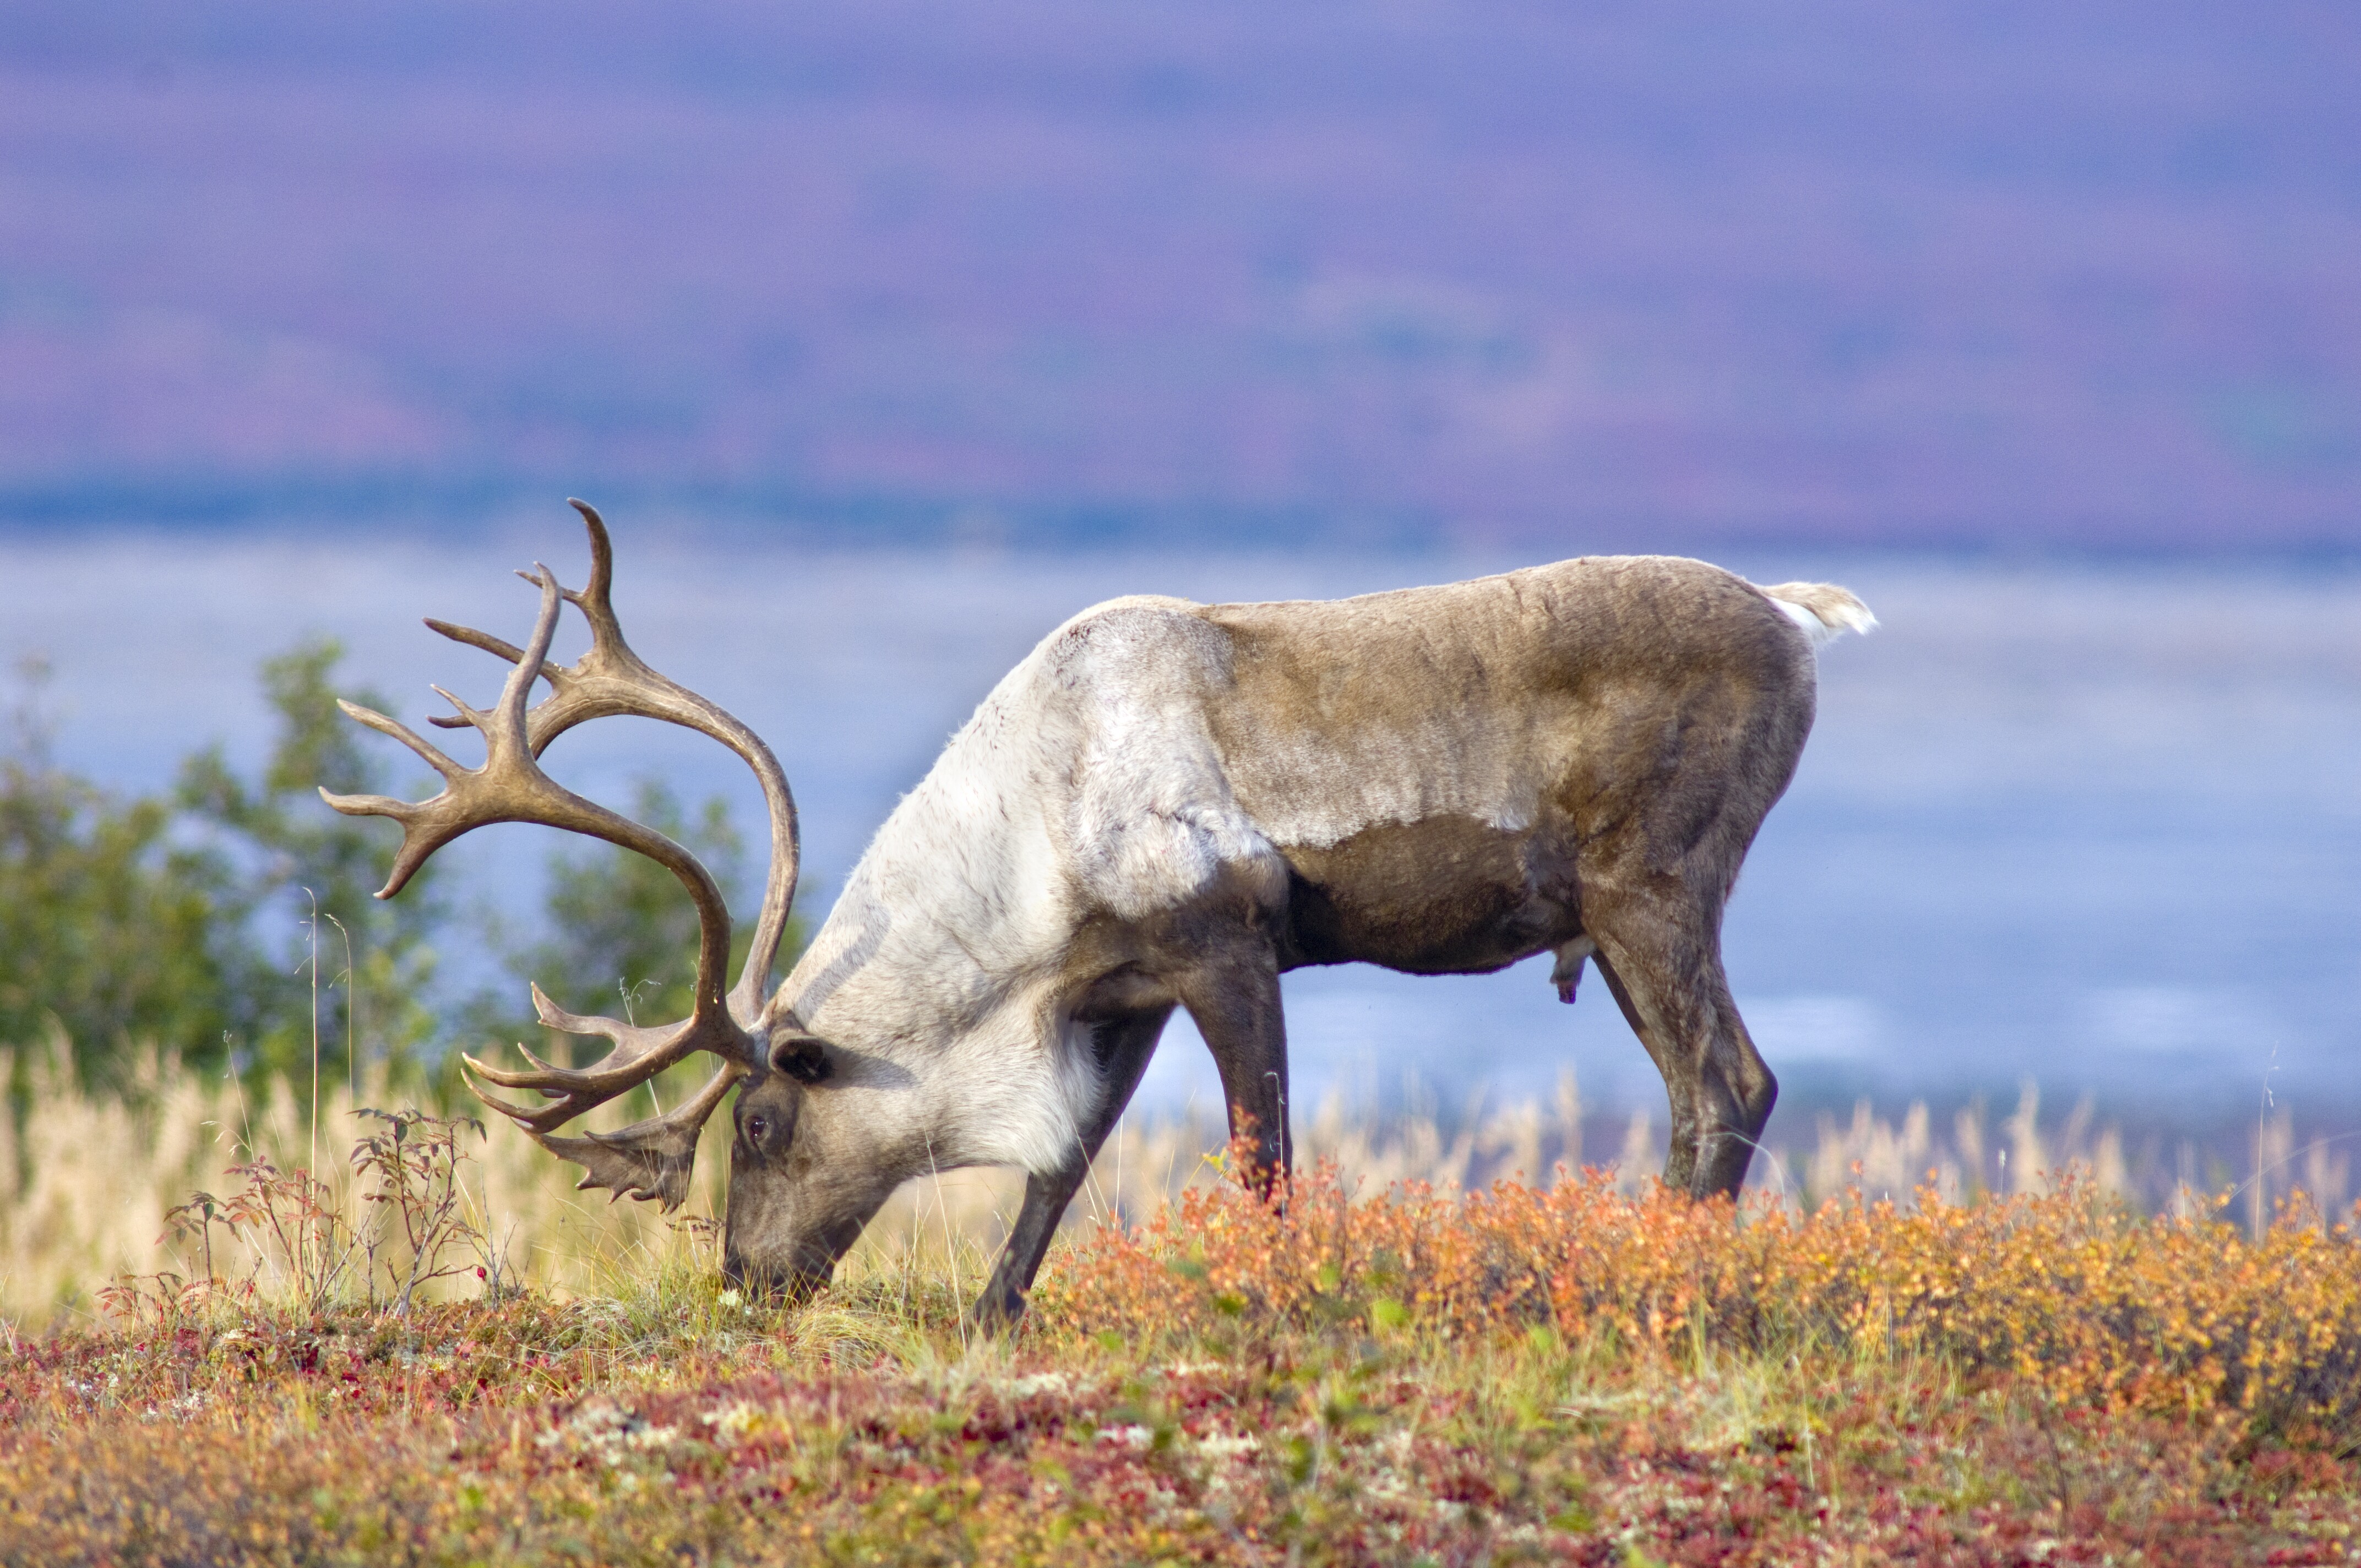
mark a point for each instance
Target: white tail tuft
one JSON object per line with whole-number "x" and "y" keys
{"x": 1825, "y": 611}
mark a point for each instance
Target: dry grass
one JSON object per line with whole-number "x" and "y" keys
{"x": 86, "y": 1185}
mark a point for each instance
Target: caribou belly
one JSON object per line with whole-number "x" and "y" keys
{"x": 1449, "y": 894}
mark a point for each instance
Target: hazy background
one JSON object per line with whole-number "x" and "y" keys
{"x": 1884, "y": 274}
{"x": 890, "y": 335}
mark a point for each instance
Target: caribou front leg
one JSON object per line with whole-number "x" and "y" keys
{"x": 1233, "y": 998}
{"x": 1123, "y": 1046}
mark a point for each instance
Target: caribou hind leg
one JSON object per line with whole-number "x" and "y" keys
{"x": 1663, "y": 965}
{"x": 1124, "y": 1046}
{"x": 1657, "y": 856}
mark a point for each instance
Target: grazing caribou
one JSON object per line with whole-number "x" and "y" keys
{"x": 1171, "y": 805}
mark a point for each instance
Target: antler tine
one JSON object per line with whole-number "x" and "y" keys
{"x": 647, "y": 1159}
{"x": 539, "y": 1120}
{"x": 596, "y": 601}
{"x": 576, "y": 1090}
{"x": 470, "y": 796}
{"x": 472, "y": 639}
{"x": 609, "y": 679}
{"x": 643, "y": 1161}
{"x": 428, "y": 752}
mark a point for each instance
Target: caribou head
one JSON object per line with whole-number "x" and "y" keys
{"x": 783, "y": 1227}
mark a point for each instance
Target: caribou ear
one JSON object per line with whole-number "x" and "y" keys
{"x": 800, "y": 1056}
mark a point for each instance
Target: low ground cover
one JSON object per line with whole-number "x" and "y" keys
{"x": 1562, "y": 1375}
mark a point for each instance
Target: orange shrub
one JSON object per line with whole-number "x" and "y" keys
{"x": 2069, "y": 1290}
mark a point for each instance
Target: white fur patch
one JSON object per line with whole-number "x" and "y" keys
{"x": 1819, "y": 631}
{"x": 1086, "y": 780}
{"x": 1825, "y": 613}
{"x": 1150, "y": 820}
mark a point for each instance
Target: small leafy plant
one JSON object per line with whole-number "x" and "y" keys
{"x": 414, "y": 1163}
{"x": 299, "y": 1244}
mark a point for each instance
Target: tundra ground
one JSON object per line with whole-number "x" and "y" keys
{"x": 1523, "y": 1375}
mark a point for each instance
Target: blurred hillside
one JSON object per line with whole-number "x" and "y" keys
{"x": 1052, "y": 269}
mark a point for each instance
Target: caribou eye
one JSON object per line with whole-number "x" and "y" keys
{"x": 757, "y": 1128}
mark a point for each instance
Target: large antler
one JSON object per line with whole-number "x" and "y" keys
{"x": 650, "y": 1158}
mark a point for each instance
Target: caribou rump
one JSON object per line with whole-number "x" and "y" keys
{"x": 1171, "y": 805}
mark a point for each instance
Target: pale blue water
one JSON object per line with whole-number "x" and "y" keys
{"x": 2098, "y": 826}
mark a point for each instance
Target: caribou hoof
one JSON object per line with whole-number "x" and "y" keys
{"x": 996, "y": 1313}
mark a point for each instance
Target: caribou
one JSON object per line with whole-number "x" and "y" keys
{"x": 1172, "y": 804}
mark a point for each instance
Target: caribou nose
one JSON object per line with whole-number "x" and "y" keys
{"x": 788, "y": 1286}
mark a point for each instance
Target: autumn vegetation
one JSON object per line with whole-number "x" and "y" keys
{"x": 1572, "y": 1372}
